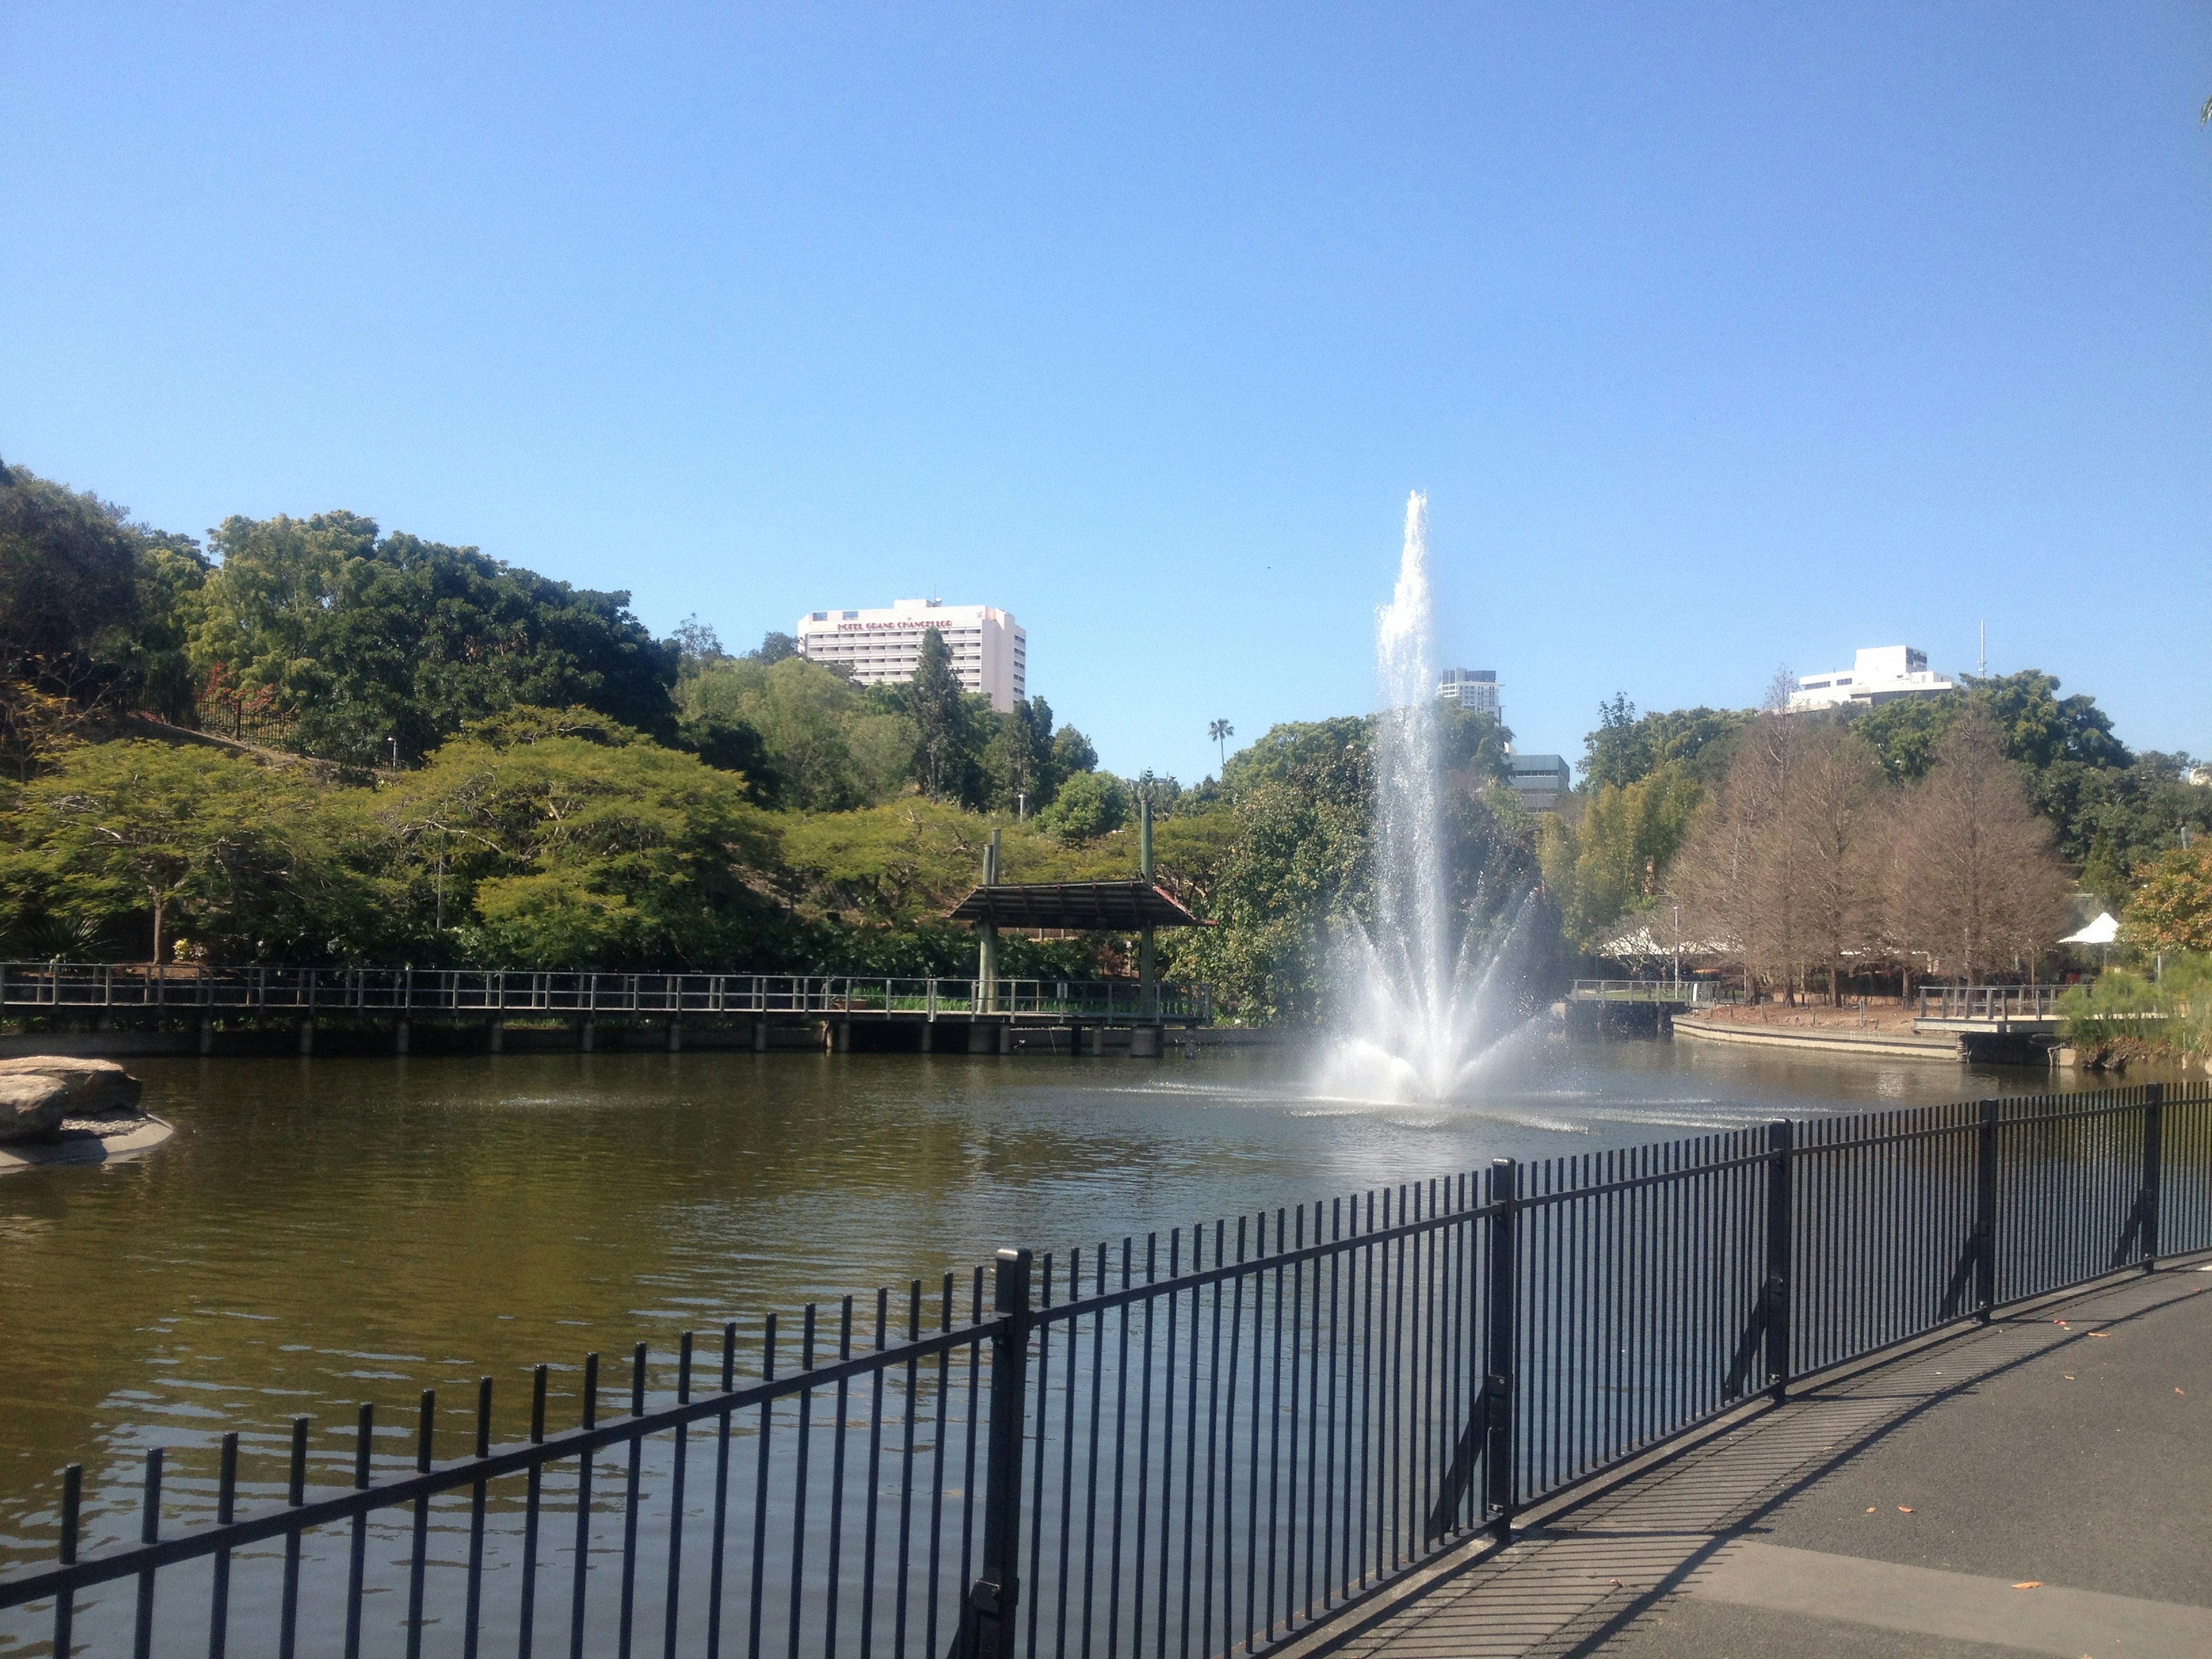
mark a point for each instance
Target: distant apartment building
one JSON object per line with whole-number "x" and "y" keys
{"x": 1538, "y": 781}
{"x": 1879, "y": 673}
{"x": 990, "y": 651}
{"x": 1475, "y": 690}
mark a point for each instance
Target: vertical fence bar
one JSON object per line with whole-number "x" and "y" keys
{"x": 577, "y": 1592}
{"x": 472, "y": 1616}
{"x": 296, "y": 1493}
{"x": 676, "y": 1502}
{"x": 364, "y": 1429}
{"x": 1780, "y": 1177}
{"x": 65, "y": 1603}
{"x": 418, "y": 1559}
{"x": 630, "y": 1503}
{"x": 986, "y": 1622}
{"x": 149, "y": 1529}
{"x": 1986, "y": 1211}
{"x": 532, "y": 1496}
{"x": 2154, "y": 1158}
{"x": 226, "y": 1511}
{"x": 1500, "y": 1357}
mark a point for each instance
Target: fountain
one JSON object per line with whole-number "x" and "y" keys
{"x": 1424, "y": 1000}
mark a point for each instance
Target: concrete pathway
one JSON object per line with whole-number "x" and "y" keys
{"x": 2043, "y": 1484}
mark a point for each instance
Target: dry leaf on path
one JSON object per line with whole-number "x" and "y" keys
{"x": 2029, "y": 1583}
{"x": 1902, "y": 1509}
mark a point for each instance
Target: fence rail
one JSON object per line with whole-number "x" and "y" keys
{"x": 1995, "y": 1003}
{"x": 1190, "y": 1445}
{"x": 1690, "y": 992}
{"x": 484, "y": 992}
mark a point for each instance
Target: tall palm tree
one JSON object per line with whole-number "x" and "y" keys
{"x": 1220, "y": 731}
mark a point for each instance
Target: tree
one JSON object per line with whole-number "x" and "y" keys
{"x": 826, "y": 745}
{"x": 1973, "y": 879}
{"x": 1626, "y": 747}
{"x": 1615, "y": 861}
{"x": 1836, "y": 814}
{"x": 352, "y": 637}
{"x": 583, "y": 848}
{"x": 244, "y": 857}
{"x": 1088, "y": 805}
{"x": 1071, "y": 753}
{"x": 93, "y": 613}
{"x": 2172, "y": 908}
{"x": 1220, "y": 731}
{"x": 943, "y": 733}
{"x": 1738, "y": 877}
{"x": 1017, "y": 758}
{"x": 774, "y": 647}
{"x": 697, "y": 645}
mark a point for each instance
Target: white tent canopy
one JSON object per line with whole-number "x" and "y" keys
{"x": 2103, "y": 931}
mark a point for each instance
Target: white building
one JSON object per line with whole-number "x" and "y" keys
{"x": 1880, "y": 673}
{"x": 1475, "y": 690}
{"x": 990, "y": 651}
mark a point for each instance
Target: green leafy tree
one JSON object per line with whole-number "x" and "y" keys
{"x": 1071, "y": 753}
{"x": 1088, "y": 805}
{"x": 352, "y": 638}
{"x": 1621, "y": 850}
{"x": 946, "y": 738}
{"x": 1017, "y": 760}
{"x": 1627, "y": 746}
{"x": 1296, "y": 870}
{"x": 249, "y": 861}
{"x": 576, "y": 848}
{"x": 826, "y": 744}
{"x": 2172, "y": 910}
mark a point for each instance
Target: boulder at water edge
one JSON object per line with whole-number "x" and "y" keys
{"x": 43, "y": 1089}
{"x": 32, "y": 1107}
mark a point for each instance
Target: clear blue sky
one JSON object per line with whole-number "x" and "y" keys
{"x": 1720, "y": 337}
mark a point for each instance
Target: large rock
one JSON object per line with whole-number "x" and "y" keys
{"x": 91, "y": 1088}
{"x": 32, "y": 1106}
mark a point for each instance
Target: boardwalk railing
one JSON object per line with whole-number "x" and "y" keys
{"x": 1689, "y": 992}
{"x": 481, "y": 993}
{"x": 1995, "y": 1003}
{"x": 1189, "y": 1445}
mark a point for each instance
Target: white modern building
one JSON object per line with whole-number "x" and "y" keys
{"x": 989, "y": 649}
{"x": 1880, "y": 673}
{"x": 1475, "y": 690}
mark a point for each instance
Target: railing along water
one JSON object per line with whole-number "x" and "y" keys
{"x": 463, "y": 993}
{"x": 1190, "y": 1445}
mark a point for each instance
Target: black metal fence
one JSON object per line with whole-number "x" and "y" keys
{"x": 1191, "y": 1445}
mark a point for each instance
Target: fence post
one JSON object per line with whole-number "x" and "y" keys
{"x": 2153, "y": 1159}
{"x": 1985, "y": 1212}
{"x": 986, "y": 1622}
{"x": 1779, "y": 1176}
{"x": 1498, "y": 1367}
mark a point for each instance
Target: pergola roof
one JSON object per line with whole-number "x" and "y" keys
{"x": 1121, "y": 907}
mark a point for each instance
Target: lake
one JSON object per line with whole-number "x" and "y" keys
{"x": 326, "y": 1231}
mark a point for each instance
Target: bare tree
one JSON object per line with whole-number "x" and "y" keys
{"x": 1737, "y": 877}
{"x": 1836, "y": 817}
{"x": 1973, "y": 878}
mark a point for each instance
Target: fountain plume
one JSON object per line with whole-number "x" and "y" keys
{"x": 1425, "y": 1002}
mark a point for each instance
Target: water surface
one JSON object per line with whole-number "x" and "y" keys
{"x": 326, "y": 1231}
